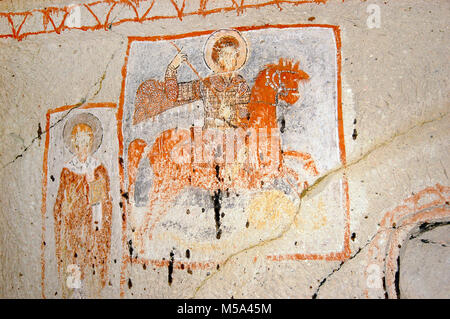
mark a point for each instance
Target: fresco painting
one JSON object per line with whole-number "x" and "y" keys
{"x": 81, "y": 178}
{"x": 223, "y": 131}
{"x": 215, "y": 141}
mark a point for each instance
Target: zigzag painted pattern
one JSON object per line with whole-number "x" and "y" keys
{"x": 105, "y": 14}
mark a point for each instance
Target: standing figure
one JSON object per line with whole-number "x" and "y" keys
{"x": 83, "y": 210}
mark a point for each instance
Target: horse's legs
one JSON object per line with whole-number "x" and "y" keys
{"x": 300, "y": 185}
{"x": 163, "y": 193}
{"x": 309, "y": 164}
{"x": 143, "y": 228}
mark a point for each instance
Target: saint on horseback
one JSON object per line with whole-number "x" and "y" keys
{"x": 250, "y": 158}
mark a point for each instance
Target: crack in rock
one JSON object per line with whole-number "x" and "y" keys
{"x": 324, "y": 279}
{"x": 76, "y": 106}
{"x": 311, "y": 188}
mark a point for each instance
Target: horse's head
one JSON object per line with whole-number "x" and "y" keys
{"x": 284, "y": 78}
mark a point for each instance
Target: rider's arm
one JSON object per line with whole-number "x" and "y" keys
{"x": 183, "y": 92}
{"x": 242, "y": 98}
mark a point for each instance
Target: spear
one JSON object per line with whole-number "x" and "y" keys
{"x": 196, "y": 73}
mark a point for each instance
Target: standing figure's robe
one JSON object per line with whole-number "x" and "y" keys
{"x": 83, "y": 213}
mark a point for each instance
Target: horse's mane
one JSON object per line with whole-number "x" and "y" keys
{"x": 288, "y": 65}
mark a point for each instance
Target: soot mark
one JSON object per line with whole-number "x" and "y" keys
{"x": 39, "y": 131}
{"x": 130, "y": 248}
{"x": 125, "y": 195}
{"x": 424, "y": 227}
{"x": 170, "y": 268}
{"x": 218, "y": 172}
{"x": 130, "y": 284}
{"x": 397, "y": 278}
{"x": 283, "y": 125}
{"x": 384, "y": 288}
{"x": 188, "y": 253}
{"x": 355, "y": 134}
{"x": 217, "y": 197}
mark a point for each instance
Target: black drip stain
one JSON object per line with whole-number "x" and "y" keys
{"x": 218, "y": 172}
{"x": 144, "y": 266}
{"x": 355, "y": 134}
{"x": 52, "y": 178}
{"x": 424, "y": 227}
{"x": 217, "y": 197}
{"x": 247, "y": 224}
{"x": 130, "y": 284}
{"x": 283, "y": 125}
{"x": 353, "y": 236}
{"x": 397, "y": 278}
{"x": 384, "y": 288}
{"x": 170, "y": 268}
{"x": 188, "y": 253}
{"x": 203, "y": 210}
{"x": 39, "y": 131}
{"x": 130, "y": 247}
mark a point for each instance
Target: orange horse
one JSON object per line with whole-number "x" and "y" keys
{"x": 170, "y": 175}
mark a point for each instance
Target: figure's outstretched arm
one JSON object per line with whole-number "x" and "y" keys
{"x": 180, "y": 92}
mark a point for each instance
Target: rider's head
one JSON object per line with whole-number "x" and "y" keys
{"x": 225, "y": 53}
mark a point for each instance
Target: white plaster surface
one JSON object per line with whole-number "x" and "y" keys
{"x": 395, "y": 98}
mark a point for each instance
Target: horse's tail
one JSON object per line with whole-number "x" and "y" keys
{"x": 135, "y": 154}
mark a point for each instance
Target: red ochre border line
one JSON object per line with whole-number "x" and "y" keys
{"x": 54, "y": 19}
{"x": 339, "y": 256}
{"x": 45, "y": 174}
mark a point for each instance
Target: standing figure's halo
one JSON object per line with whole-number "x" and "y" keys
{"x": 83, "y": 118}
{"x": 224, "y": 37}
